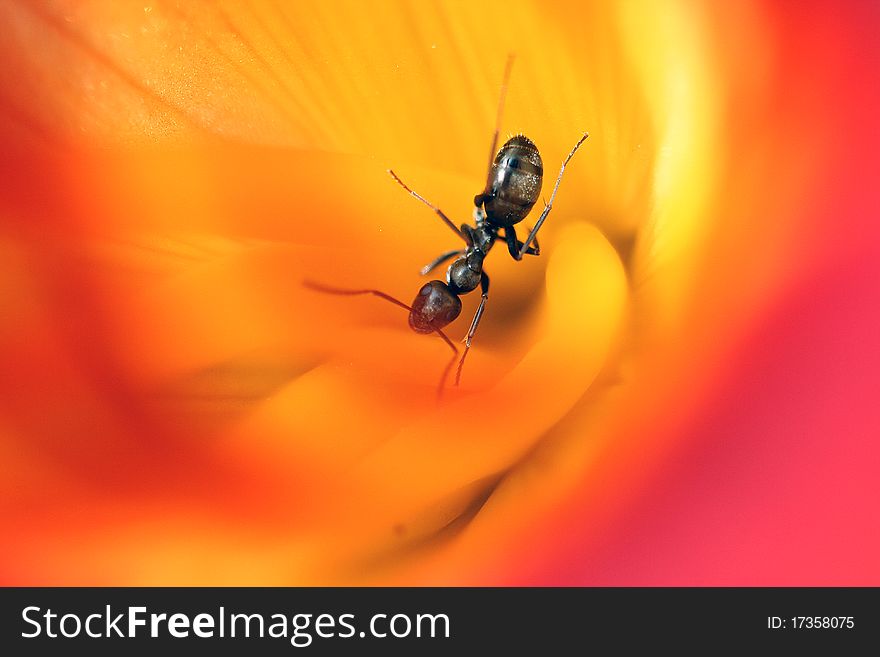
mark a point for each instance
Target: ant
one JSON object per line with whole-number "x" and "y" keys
{"x": 513, "y": 184}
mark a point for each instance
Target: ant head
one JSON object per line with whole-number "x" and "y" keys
{"x": 434, "y": 307}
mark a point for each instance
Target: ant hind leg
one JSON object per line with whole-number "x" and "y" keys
{"x": 479, "y": 198}
{"x": 446, "y": 220}
{"x": 515, "y": 247}
{"x": 534, "y": 232}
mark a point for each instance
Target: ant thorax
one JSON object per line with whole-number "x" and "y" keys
{"x": 479, "y": 216}
{"x": 484, "y": 238}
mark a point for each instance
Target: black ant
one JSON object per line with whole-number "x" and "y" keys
{"x": 513, "y": 184}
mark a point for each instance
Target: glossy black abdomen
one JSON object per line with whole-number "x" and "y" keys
{"x": 516, "y": 177}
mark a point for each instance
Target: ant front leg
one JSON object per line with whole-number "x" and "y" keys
{"x": 439, "y": 260}
{"x": 516, "y": 247}
{"x": 484, "y": 288}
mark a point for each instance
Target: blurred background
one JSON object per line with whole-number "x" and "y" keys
{"x": 681, "y": 390}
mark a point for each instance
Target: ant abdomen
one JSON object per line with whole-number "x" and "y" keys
{"x": 434, "y": 307}
{"x": 514, "y": 182}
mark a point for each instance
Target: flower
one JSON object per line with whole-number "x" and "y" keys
{"x": 180, "y": 409}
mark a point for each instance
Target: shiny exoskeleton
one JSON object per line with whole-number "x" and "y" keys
{"x": 513, "y": 185}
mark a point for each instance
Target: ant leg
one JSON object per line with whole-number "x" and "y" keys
{"x": 512, "y": 242}
{"x": 514, "y": 245}
{"x": 507, "y": 67}
{"x": 547, "y": 207}
{"x": 484, "y": 287}
{"x": 439, "y": 260}
{"x": 468, "y": 233}
{"x": 326, "y": 289}
{"x": 535, "y": 250}
{"x": 439, "y": 212}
